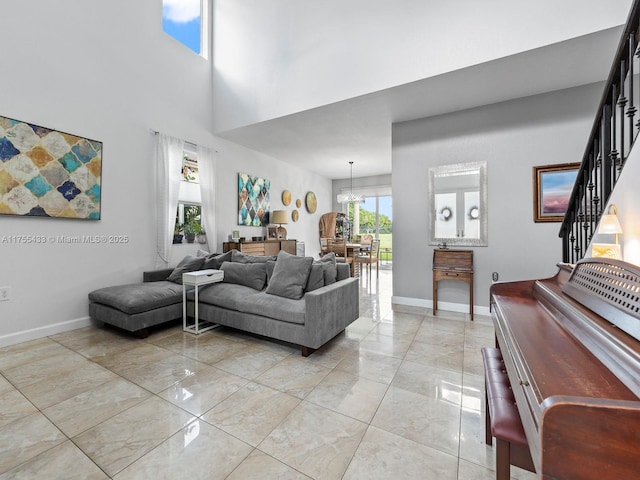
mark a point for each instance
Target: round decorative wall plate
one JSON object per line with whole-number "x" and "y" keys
{"x": 286, "y": 197}
{"x": 311, "y": 202}
{"x": 294, "y": 215}
{"x": 298, "y": 203}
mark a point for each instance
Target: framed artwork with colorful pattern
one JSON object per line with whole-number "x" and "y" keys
{"x": 253, "y": 200}
{"x": 47, "y": 173}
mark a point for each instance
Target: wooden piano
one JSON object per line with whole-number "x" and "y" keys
{"x": 571, "y": 350}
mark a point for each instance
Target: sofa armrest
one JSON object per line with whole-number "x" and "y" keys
{"x": 329, "y": 310}
{"x": 156, "y": 275}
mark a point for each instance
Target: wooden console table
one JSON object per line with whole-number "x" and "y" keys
{"x": 452, "y": 265}
{"x": 265, "y": 247}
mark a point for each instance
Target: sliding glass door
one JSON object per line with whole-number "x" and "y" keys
{"x": 374, "y": 217}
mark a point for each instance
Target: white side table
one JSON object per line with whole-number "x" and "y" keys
{"x": 197, "y": 279}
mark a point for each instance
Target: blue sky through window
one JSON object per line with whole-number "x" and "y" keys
{"x": 181, "y": 19}
{"x": 384, "y": 205}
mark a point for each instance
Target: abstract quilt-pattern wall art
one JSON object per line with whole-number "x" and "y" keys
{"x": 253, "y": 200}
{"x": 47, "y": 173}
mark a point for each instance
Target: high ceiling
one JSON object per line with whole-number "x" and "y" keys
{"x": 325, "y": 139}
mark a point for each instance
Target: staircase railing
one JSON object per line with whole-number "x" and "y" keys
{"x": 613, "y": 134}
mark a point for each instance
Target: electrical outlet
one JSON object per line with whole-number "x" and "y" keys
{"x": 494, "y": 276}
{"x": 5, "y": 294}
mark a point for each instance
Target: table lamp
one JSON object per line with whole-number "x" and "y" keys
{"x": 279, "y": 217}
{"x": 609, "y": 222}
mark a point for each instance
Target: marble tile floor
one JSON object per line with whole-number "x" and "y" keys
{"x": 398, "y": 395}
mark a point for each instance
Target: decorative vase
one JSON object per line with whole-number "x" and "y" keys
{"x": 202, "y": 238}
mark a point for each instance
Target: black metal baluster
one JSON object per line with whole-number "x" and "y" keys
{"x": 576, "y": 247}
{"x": 613, "y": 153}
{"x": 605, "y": 153}
{"x": 631, "y": 111}
{"x": 585, "y": 208}
{"x": 592, "y": 207}
{"x": 622, "y": 103}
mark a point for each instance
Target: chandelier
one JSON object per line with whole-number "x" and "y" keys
{"x": 350, "y": 197}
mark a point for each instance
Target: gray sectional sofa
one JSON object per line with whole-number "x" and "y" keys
{"x": 293, "y": 299}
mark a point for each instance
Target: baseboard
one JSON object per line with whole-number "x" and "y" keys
{"x": 421, "y": 303}
{"x": 41, "y": 332}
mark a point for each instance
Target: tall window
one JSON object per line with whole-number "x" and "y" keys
{"x": 186, "y": 21}
{"x": 374, "y": 217}
{"x": 188, "y": 216}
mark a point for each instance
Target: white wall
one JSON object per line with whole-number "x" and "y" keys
{"x": 106, "y": 71}
{"x": 233, "y": 158}
{"x": 513, "y": 137}
{"x": 280, "y": 57}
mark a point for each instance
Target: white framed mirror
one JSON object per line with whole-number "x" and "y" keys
{"x": 458, "y": 205}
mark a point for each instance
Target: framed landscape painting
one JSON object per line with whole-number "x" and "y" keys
{"x": 552, "y": 187}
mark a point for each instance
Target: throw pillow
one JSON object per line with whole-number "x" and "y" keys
{"x": 240, "y": 257}
{"x": 290, "y": 276}
{"x": 215, "y": 260}
{"x": 316, "y": 277}
{"x": 271, "y": 264}
{"x": 329, "y": 268}
{"x": 252, "y": 275}
{"x": 187, "y": 264}
{"x": 202, "y": 253}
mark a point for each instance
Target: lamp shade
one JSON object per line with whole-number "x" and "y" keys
{"x": 609, "y": 224}
{"x": 279, "y": 217}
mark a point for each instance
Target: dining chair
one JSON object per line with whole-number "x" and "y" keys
{"x": 339, "y": 247}
{"x": 366, "y": 241}
{"x": 370, "y": 257}
{"x": 324, "y": 245}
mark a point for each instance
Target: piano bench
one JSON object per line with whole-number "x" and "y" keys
{"x": 502, "y": 418}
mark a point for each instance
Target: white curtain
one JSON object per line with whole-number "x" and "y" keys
{"x": 169, "y": 151}
{"x": 207, "y": 173}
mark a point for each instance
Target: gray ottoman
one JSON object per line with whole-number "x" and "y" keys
{"x": 137, "y": 306}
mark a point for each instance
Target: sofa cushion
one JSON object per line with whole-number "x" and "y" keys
{"x": 316, "y": 277}
{"x": 290, "y": 276}
{"x": 240, "y": 257}
{"x": 138, "y": 297}
{"x": 279, "y": 308}
{"x": 329, "y": 267}
{"x": 215, "y": 260}
{"x": 187, "y": 264}
{"x": 252, "y": 275}
{"x": 271, "y": 264}
{"x": 225, "y": 295}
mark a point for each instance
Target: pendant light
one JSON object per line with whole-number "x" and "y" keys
{"x": 350, "y": 197}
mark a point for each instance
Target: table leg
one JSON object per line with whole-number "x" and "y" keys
{"x": 184, "y": 307}
{"x": 471, "y": 298}
{"x": 435, "y": 296}
{"x": 196, "y": 318}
